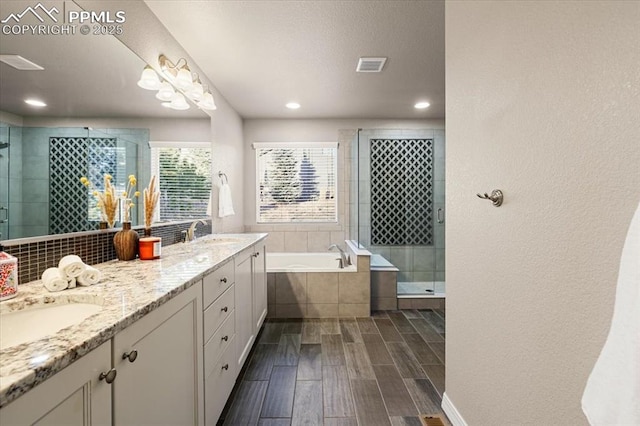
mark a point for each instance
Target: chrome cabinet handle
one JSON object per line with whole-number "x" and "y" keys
{"x": 131, "y": 356}
{"x": 109, "y": 376}
{"x": 440, "y": 218}
{"x": 223, "y": 280}
{"x": 225, "y": 338}
{"x": 225, "y": 309}
{"x": 225, "y": 367}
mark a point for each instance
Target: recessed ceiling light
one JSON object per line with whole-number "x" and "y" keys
{"x": 293, "y": 105}
{"x": 35, "y": 103}
{"x": 422, "y": 105}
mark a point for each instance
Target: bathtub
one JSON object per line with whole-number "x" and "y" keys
{"x": 307, "y": 262}
{"x": 311, "y": 285}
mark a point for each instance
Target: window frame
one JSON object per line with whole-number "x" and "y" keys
{"x": 296, "y": 146}
{"x": 154, "y": 165}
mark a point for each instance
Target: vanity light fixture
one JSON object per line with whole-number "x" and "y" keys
{"x": 293, "y": 105}
{"x": 421, "y": 105}
{"x": 179, "y": 85}
{"x": 35, "y": 103}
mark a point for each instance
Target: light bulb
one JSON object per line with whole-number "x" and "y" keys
{"x": 197, "y": 92}
{"x": 184, "y": 81}
{"x": 207, "y": 102}
{"x": 179, "y": 102}
{"x": 166, "y": 92}
{"x": 149, "y": 79}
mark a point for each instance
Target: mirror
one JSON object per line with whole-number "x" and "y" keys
{"x": 86, "y": 79}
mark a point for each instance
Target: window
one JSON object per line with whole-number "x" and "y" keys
{"x": 184, "y": 176}
{"x": 296, "y": 182}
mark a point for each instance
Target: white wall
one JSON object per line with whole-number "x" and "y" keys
{"x": 228, "y": 156}
{"x": 543, "y": 100}
{"x": 310, "y": 237}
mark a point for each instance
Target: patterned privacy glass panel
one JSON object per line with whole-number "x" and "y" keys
{"x": 71, "y": 208}
{"x": 401, "y": 192}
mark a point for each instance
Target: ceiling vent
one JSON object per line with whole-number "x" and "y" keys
{"x": 370, "y": 64}
{"x": 20, "y": 63}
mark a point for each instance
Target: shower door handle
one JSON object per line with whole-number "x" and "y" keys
{"x": 440, "y": 216}
{"x": 4, "y": 219}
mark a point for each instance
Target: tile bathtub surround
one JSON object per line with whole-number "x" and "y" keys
{"x": 318, "y": 294}
{"x": 28, "y": 364}
{"x": 383, "y": 290}
{"x": 37, "y": 254}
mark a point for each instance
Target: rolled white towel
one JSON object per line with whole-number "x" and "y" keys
{"x": 53, "y": 280}
{"x": 71, "y": 266}
{"x": 72, "y": 282}
{"x": 90, "y": 276}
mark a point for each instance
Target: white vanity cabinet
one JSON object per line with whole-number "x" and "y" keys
{"x": 220, "y": 371}
{"x": 245, "y": 328}
{"x": 176, "y": 365}
{"x": 235, "y": 308}
{"x": 74, "y": 396}
{"x": 259, "y": 276}
{"x": 159, "y": 365}
{"x": 251, "y": 295}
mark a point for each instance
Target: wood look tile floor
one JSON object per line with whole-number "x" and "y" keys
{"x": 381, "y": 370}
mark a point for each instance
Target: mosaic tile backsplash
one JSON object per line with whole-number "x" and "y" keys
{"x": 92, "y": 247}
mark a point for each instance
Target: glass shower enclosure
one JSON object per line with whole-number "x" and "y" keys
{"x": 398, "y": 198}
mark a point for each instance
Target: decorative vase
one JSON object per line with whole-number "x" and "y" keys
{"x": 125, "y": 241}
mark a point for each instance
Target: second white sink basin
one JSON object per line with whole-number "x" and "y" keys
{"x": 20, "y": 325}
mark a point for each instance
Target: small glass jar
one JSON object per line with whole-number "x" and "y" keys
{"x": 8, "y": 276}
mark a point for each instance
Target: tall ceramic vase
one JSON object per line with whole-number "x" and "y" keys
{"x": 125, "y": 241}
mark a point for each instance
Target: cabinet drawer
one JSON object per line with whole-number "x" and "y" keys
{"x": 218, "y": 311}
{"x": 217, "y": 282}
{"x": 219, "y": 343}
{"x": 219, "y": 383}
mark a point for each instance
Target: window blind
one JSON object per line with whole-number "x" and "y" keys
{"x": 296, "y": 182}
{"x": 184, "y": 176}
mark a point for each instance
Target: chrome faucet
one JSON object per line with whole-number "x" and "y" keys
{"x": 190, "y": 234}
{"x": 345, "y": 260}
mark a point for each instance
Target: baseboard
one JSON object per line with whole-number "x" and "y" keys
{"x": 450, "y": 410}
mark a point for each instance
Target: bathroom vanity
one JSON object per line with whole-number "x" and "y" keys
{"x": 166, "y": 347}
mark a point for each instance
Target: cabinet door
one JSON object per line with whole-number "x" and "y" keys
{"x": 163, "y": 384}
{"x": 74, "y": 396}
{"x": 259, "y": 286}
{"x": 244, "y": 307}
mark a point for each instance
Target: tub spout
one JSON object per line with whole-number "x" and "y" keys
{"x": 345, "y": 260}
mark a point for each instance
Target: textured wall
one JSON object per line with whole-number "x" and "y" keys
{"x": 543, "y": 100}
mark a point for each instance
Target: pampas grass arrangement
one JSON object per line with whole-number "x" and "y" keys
{"x": 151, "y": 196}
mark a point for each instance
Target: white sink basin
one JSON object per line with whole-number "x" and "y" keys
{"x": 43, "y": 317}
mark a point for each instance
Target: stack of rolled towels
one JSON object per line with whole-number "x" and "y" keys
{"x": 71, "y": 271}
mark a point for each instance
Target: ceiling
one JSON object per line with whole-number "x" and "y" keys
{"x": 83, "y": 76}
{"x": 262, "y": 54}
{"x": 259, "y": 55}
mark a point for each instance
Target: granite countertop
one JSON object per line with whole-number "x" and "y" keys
{"x": 127, "y": 292}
